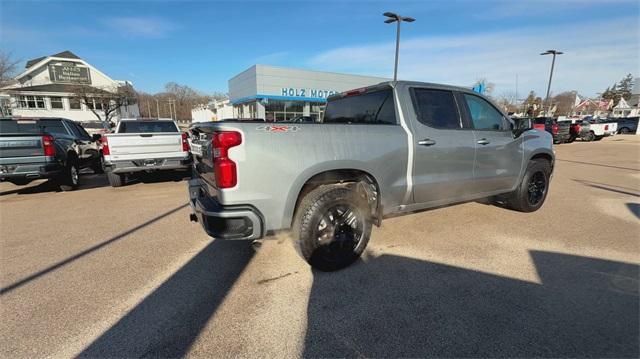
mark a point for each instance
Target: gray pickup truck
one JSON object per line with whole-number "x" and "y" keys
{"x": 52, "y": 148}
{"x": 392, "y": 148}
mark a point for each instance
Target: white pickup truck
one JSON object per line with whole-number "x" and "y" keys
{"x": 601, "y": 128}
{"x": 144, "y": 145}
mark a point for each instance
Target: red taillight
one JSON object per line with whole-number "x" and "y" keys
{"x": 185, "y": 143}
{"x": 554, "y": 128}
{"x": 105, "y": 146}
{"x": 578, "y": 128}
{"x": 223, "y": 167}
{"x": 47, "y": 145}
{"x": 606, "y": 127}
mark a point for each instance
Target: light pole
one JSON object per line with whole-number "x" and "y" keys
{"x": 553, "y": 62}
{"x": 396, "y": 18}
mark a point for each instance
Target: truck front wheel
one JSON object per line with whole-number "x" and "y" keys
{"x": 532, "y": 191}
{"x": 332, "y": 227}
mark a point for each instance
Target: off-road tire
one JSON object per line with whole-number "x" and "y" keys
{"x": 519, "y": 199}
{"x": 319, "y": 204}
{"x": 70, "y": 178}
{"x": 598, "y": 138}
{"x": 590, "y": 136}
{"x": 115, "y": 180}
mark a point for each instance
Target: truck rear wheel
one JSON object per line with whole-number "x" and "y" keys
{"x": 70, "y": 178}
{"x": 532, "y": 191}
{"x": 332, "y": 227}
{"x": 115, "y": 180}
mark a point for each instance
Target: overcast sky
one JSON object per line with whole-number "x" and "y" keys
{"x": 203, "y": 44}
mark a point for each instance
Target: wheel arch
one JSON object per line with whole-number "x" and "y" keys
{"x": 369, "y": 185}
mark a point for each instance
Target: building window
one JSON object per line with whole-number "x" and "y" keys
{"x": 98, "y": 104}
{"x": 74, "y": 103}
{"x": 95, "y": 104}
{"x": 56, "y": 103}
{"x": 35, "y": 102}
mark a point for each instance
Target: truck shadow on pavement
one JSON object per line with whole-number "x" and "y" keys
{"x": 87, "y": 181}
{"x": 85, "y": 252}
{"x": 167, "y": 322}
{"x": 391, "y": 306}
{"x": 91, "y": 180}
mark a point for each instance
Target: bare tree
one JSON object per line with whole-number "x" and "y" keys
{"x": 8, "y": 68}
{"x": 564, "y": 103}
{"x": 507, "y": 100}
{"x": 105, "y": 103}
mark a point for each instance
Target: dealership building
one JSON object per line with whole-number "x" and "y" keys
{"x": 50, "y": 87}
{"x": 278, "y": 93}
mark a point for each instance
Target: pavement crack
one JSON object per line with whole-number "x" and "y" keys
{"x": 267, "y": 280}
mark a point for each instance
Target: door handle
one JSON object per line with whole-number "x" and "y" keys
{"x": 426, "y": 142}
{"x": 483, "y": 141}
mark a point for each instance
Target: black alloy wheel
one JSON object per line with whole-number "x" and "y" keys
{"x": 537, "y": 188}
{"x": 339, "y": 232}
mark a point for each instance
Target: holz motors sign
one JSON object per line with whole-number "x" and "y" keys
{"x": 303, "y": 92}
{"x": 69, "y": 73}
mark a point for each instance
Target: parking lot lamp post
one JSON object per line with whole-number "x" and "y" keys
{"x": 553, "y": 62}
{"x": 396, "y": 18}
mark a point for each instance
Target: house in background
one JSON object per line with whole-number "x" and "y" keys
{"x": 49, "y": 85}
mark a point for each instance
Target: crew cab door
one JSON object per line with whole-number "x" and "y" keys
{"x": 499, "y": 155}
{"x": 443, "y": 149}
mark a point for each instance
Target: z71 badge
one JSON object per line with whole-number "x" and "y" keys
{"x": 278, "y": 128}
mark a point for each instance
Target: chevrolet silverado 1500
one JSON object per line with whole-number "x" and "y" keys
{"x": 52, "y": 148}
{"x": 396, "y": 147}
{"x": 144, "y": 145}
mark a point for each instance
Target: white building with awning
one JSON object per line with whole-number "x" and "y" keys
{"x": 49, "y": 87}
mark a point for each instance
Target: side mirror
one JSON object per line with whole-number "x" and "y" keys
{"x": 96, "y": 137}
{"x": 521, "y": 125}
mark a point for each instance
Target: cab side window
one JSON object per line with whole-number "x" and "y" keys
{"x": 483, "y": 115}
{"x": 436, "y": 108}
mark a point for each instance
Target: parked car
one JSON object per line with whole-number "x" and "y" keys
{"x": 96, "y": 127}
{"x": 626, "y": 125}
{"x": 393, "y": 148}
{"x": 53, "y": 148}
{"x": 144, "y": 145}
{"x": 559, "y": 130}
{"x": 579, "y": 129}
{"x": 600, "y": 129}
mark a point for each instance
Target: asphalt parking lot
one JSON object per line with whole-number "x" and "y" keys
{"x": 123, "y": 273}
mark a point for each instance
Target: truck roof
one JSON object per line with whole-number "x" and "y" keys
{"x": 392, "y": 84}
{"x": 146, "y": 119}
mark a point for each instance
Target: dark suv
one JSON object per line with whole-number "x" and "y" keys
{"x": 55, "y": 148}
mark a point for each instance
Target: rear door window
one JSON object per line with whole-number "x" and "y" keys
{"x": 374, "y": 108}
{"x": 147, "y": 127}
{"x": 436, "y": 108}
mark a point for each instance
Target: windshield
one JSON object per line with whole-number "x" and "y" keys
{"x": 147, "y": 127}
{"x": 99, "y": 125}
{"x": 32, "y": 126}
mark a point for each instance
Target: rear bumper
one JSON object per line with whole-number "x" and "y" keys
{"x": 224, "y": 222}
{"x": 155, "y": 164}
{"x": 22, "y": 172}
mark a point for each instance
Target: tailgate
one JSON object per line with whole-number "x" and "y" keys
{"x": 564, "y": 127}
{"x": 12, "y": 146}
{"x": 142, "y": 146}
